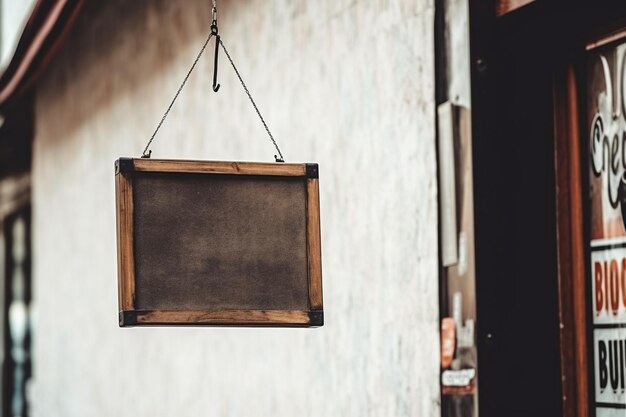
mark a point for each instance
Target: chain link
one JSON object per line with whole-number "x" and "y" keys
{"x": 146, "y": 152}
{"x": 214, "y": 11}
{"x": 281, "y": 159}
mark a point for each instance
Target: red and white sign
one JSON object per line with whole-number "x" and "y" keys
{"x": 606, "y": 120}
{"x": 608, "y": 272}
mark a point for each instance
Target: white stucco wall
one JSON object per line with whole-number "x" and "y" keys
{"x": 13, "y": 17}
{"x": 347, "y": 84}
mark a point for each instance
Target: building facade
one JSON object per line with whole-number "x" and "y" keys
{"x": 472, "y": 177}
{"x": 349, "y": 85}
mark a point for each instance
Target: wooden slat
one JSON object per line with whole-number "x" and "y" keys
{"x": 43, "y": 34}
{"x": 570, "y": 248}
{"x": 314, "y": 245}
{"x": 218, "y": 167}
{"x": 506, "y": 6}
{"x": 224, "y": 317}
{"x": 605, "y": 39}
{"x": 125, "y": 261}
{"x": 577, "y": 249}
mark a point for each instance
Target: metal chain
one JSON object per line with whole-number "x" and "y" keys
{"x": 214, "y": 31}
{"x": 146, "y": 153}
{"x": 281, "y": 159}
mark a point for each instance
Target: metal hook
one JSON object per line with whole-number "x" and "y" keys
{"x": 215, "y": 32}
{"x": 216, "y": 86}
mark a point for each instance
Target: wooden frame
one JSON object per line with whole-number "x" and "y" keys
{"x": 573, "y": 238}
{"x": 570, "y": 246}
{"x": 126, "y": 170}
{"x": 507, "y": 6}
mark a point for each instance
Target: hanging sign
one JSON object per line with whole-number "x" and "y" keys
{"x": 218, "y": 243}
{"x": 606, "y": 85}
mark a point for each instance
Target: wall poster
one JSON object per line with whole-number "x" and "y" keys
{"x": 606, "y": 121}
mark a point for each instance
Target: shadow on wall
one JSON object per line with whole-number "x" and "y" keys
{"x": 128, "y": 45}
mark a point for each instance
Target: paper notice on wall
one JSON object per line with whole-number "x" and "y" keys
{"x": 459, "y": 378}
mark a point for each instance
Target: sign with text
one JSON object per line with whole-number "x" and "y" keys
{"x": 608, "y": 268}
{"x": 606, "y": 121}
{"x": 609, "y": 365}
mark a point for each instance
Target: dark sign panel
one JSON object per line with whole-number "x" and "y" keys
{"x": 218, "y": 243}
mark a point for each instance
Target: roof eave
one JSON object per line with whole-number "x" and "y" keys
{"x": 47, "y": 26}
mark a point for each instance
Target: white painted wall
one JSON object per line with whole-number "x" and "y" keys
{"x": 13, "y": 17}
{"x": 348, "y": 84}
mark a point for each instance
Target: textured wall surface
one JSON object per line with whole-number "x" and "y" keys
{"x": 13, "y": 16}
{"x": 348, "y": 84}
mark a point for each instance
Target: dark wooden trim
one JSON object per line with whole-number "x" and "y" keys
{"x": 616, "y": 36}
{"x": 43, "y": 34}
{"x": 222, "y": 317}
{"x": 507, "y": 6}
{"x": 219, "y": 167}
{"x": 606, "y": 34}
{"x": 314, "y": 246}
{"x": 570, "y": 246}
{"x": 125, "y": 254}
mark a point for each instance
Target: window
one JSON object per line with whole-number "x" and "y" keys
{"x": 17, "y": 313}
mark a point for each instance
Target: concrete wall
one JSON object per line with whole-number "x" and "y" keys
{"x": 348, "y": 84}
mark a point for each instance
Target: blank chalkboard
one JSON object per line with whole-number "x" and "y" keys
{"x": 218, "y": 243}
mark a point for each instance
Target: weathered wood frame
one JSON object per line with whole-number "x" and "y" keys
{"x": 129, "y": 316}
{"x": 572, "y": 236}
{"x": 572, "y": 256}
